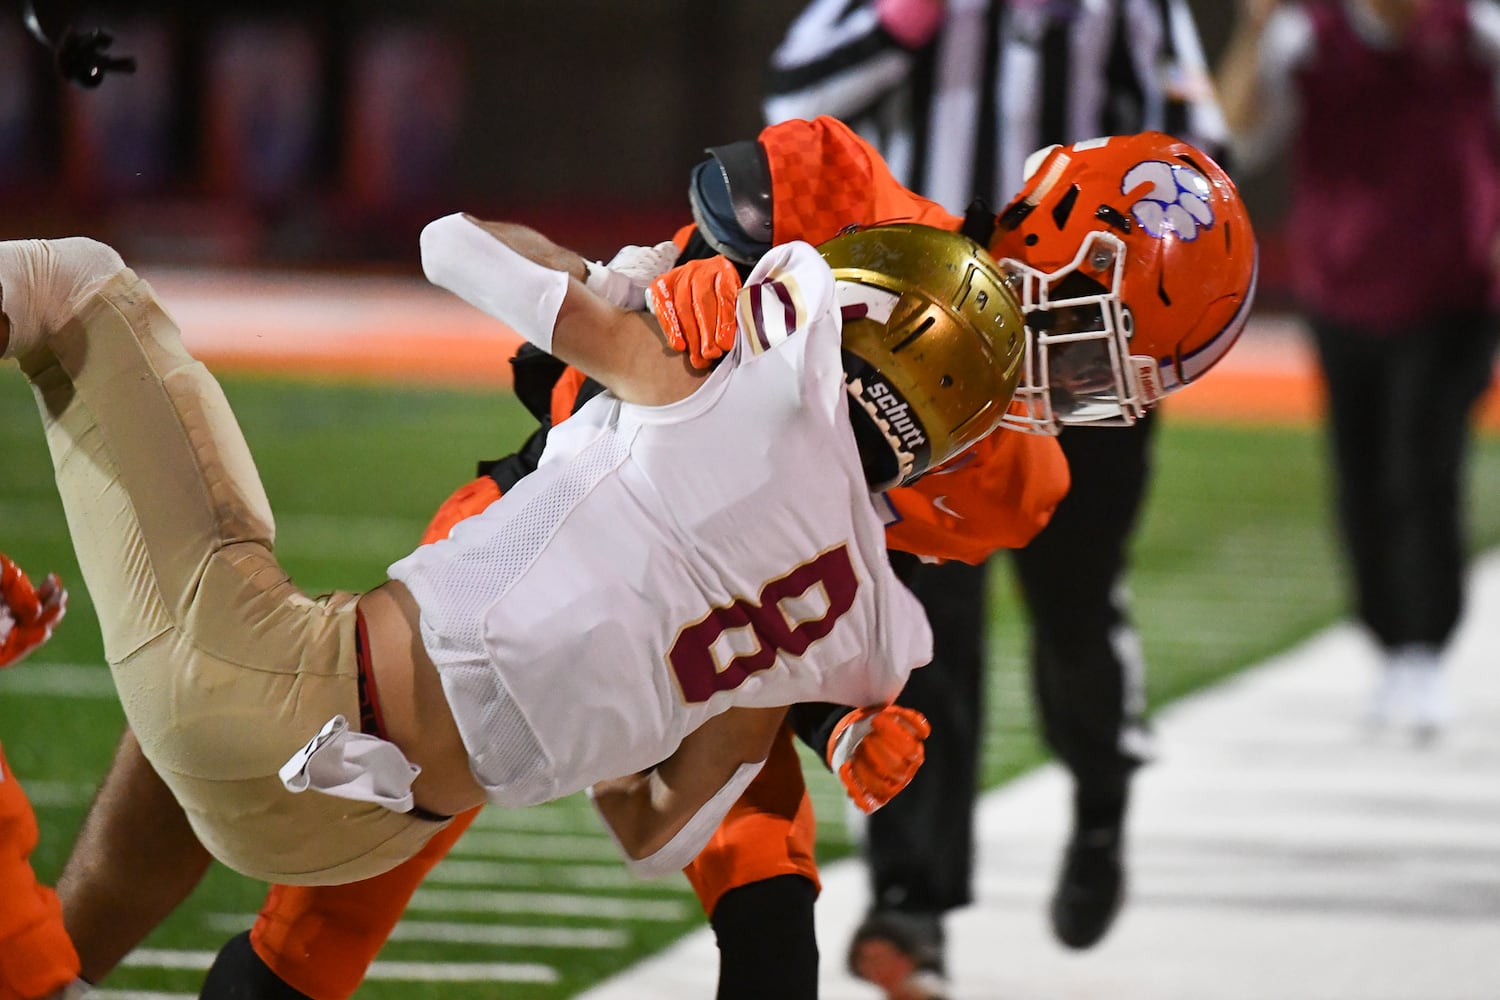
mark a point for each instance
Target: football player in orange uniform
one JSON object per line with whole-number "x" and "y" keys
{"x": 37, "y": 959}
{"x": 1137, "y": 265}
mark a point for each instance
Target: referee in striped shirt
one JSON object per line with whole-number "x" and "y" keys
{"x": 956, "y": 95}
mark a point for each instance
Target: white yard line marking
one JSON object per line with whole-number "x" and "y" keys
{"x": 557, "y": 876}
{"x": 166, "y": 958}
{"x": 59, "y": 680}
{"x": 447, "y": 932}
{"x": 59, "y": 794}
{"x": 444, "y": 972}
{"x": 548, "y": 904}
{"x": 564, "y": 816}
{"x": 588, "y": 938}
{"x": 549, "y": 846}
{"x": 463, "y": 972}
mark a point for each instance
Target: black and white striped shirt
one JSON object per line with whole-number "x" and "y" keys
{"x": 1001, "y": 79}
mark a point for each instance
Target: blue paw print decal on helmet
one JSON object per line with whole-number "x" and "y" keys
{"x": 1177, "y": 202}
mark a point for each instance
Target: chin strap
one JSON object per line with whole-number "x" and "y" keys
{"x": 81, "y": 58}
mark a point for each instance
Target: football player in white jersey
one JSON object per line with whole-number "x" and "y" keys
{"x": 224, "y": 667}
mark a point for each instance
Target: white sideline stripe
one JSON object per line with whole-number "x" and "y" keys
{"x": 442, "y": 932}
{"x": 546, "y": 904}
{"x": 444, "y": 972}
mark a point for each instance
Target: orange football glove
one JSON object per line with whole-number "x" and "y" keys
{"x": 695, "y": 304}
{"x": 27, "y": 614}
{"x": 876, "y": 752}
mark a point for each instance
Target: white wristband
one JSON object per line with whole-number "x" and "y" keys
{"x": 480, "y": 269}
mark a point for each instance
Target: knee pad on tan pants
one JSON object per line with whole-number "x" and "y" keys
{"x": 223, "y": 666}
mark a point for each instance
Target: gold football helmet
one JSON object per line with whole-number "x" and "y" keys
{"x": 933, "y": 341}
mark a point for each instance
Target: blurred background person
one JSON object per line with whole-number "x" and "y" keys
{"x": 1389, "y": 109}
{"x": 956, "y": 95}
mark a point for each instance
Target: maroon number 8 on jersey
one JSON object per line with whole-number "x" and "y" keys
{"x": 698, "y": 672}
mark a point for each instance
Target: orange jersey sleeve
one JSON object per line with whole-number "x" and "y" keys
{"x": 824, "y": 177}
{"x": 36, "y": 956}
{"x": 996, "y": 495}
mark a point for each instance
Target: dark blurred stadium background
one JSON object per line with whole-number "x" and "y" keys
{"x": 327, "y": 133}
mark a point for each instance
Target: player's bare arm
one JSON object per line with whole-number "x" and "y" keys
{"x": 645, "y": 811}
{"x": 520, "y": 277}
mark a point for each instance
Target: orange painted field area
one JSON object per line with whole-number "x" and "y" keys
{"x": 402, "y": 329}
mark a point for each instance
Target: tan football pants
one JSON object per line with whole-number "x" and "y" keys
{"x": 224, "y": 668}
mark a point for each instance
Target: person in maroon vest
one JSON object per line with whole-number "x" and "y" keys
{"x": 1390, "y": 111}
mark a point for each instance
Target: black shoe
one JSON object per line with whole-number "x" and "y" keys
{"x": 1090, "y": 888}
{"x": 901, "y": 953}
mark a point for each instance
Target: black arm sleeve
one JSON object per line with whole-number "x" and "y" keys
{"x": 511, "y": 469}
{"x": 814, "y": 722}
{"x": 533, "y": 374}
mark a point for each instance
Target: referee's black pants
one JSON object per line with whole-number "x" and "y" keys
{"x": 1085, "y": 669}
{"x": 1399, "y": 411}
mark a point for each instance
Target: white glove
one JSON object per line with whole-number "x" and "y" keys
{"x": 629, "y": 273}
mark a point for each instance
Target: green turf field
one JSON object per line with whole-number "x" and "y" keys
{"x": 1234, "y": 562}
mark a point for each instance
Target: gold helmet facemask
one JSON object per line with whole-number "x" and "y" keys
{"x": 933, "y": 341}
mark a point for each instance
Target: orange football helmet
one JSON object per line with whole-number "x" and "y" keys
{"x": 1135, "y": 263}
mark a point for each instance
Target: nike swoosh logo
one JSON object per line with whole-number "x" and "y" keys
{"x": 941, "y": 503}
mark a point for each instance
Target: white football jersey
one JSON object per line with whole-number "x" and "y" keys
{"x": 666, "y": 563}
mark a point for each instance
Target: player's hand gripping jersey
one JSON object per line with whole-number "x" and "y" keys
{"x": 659, "y": 586}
